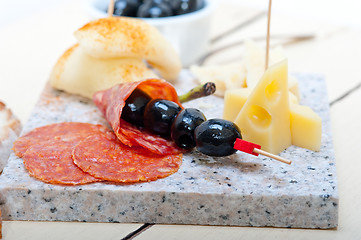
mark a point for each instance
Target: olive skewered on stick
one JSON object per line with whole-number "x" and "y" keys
{"x": 189, "y": 127}
{"x": 133, "y": 111}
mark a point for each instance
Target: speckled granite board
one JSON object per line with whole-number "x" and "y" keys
{"x": 240, "y": 190}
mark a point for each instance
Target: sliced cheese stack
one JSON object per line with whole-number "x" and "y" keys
{"x": 111, "y": 51}
{"x": 227, "y": 76}
{"x": 254, "y": 58}
{"x": 242, "y": 74}
{"x": 270, "y": 115}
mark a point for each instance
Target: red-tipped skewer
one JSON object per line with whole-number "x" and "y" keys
{"x": 255, "y": 149}
{"x": 252, "y": 148}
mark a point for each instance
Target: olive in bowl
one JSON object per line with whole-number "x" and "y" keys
{"x": 155, "y": 8}
{"x": 187, "y": 29}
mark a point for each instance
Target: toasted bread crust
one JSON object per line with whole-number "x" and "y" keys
{"x": 130, "y": 37}
{"x": 10, "y": 128}
{"x": 1, "y": 235}
{"x": 77, "y": 72}
{"x": 11, "y": 123}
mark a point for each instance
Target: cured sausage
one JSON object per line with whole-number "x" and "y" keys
{"x": 47, "y": 152}
{"x": 69, "y": 131}
{"x": 104, "y": 156}
{"x": 111, "y": 102}
{"x": 73, "y": 153}
{"x": 51, "y": 162}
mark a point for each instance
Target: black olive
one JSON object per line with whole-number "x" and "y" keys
{"x": 182, "y": 131}
{"x": 185, "y": 6}
{"x": 159, "y": 115}
{"x": 154, "y": 9}
{"x": 216, "y": 137}
{"x": 126, "y": 7}
{"x": 134, "y": 107}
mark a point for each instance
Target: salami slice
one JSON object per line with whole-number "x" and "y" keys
{"x": 111, "y": 103}
{"x": 51, "y": 162}
{"x": 105, "y": 157}
{"x": 69, "y": 131}
{"x": 47, "y": 151}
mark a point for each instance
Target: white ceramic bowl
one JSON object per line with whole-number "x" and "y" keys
{"x": 189, "y": 33}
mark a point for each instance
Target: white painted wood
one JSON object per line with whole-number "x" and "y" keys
{"x": 30, "y": 46}
{"x": 65, "y": 230}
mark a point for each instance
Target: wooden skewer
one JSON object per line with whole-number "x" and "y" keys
{"x": 111, "y": 8}
{"x": 268, "y": 33}
{"x": 255, "y": 149}
{"x": 270, "y": 155}
{"x": 249, "y": 147}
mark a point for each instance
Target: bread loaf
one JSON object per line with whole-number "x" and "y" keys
{"x": 10, "y": 128}
{"x": 112, "y": 51}
{"x": 1, "y": 227}
{"x": 130, "y": 38}
{"x": 79, "y": 73}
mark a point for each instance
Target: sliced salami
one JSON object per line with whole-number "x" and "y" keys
{"x": 111, "y": 103}
{"x": 47, "y": 151}
{"x": 105, "y": 157}
{"x": 67, "y": 131}
{"x": 51, "y": 162}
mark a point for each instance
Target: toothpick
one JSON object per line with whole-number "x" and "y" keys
{"x": 255, "y": 149}
{"x": 270, "y": 155}
{"x": 268, "y": 33}
{"x": 111, "y": 8}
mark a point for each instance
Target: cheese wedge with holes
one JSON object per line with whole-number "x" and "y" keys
{"x": 305, "y": 124}
{"x": 235, "y": 99}
{"x": 265, "y": 117}
{"x": 306, "y": 127}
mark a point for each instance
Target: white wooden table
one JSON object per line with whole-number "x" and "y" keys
{"x": 31, "y": 44}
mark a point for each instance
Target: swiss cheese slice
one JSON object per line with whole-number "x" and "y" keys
{"x": 265, "y": 117}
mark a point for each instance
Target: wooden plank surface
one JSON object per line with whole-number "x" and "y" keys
{"x": 22, "y": 230}
{"x": 30, "y": 46}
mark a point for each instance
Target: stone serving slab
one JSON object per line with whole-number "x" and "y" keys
{"x": 240, "y": 190}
